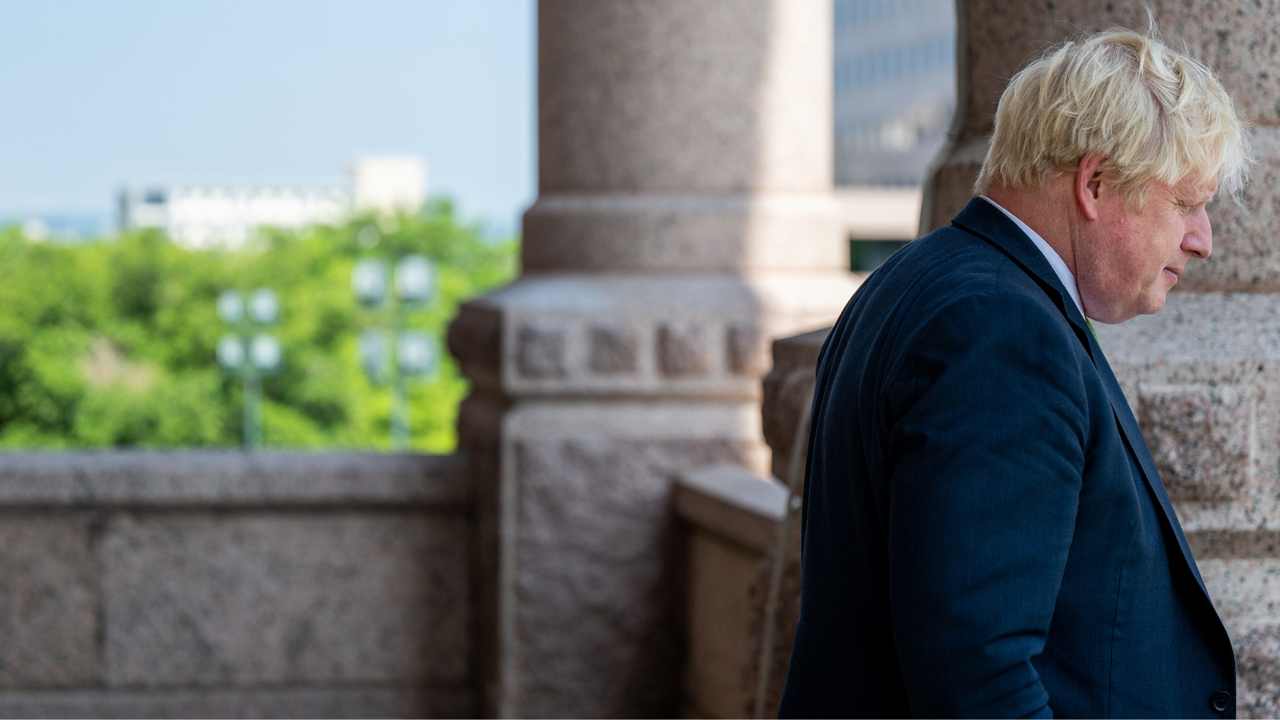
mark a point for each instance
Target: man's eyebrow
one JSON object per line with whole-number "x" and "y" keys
{"x": 1195, "y": 197}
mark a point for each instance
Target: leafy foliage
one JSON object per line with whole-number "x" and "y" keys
{"x": 110, "y": 343}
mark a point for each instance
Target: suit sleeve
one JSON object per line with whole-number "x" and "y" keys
{"x": 986, "y": 439}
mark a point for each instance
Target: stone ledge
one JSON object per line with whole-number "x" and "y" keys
{"x": 230, "y": 478}
{"x": 649, "y": 335}
{"x": 1234, "y": 544}
{"x": 1196, "y": 327}
{"x": 679, "y": 232}
{"x": 733, "y": 502}
{"x": 801, "y": 350}
{"x": 279, "y": 702}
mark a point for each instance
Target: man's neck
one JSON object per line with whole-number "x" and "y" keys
{"x": 1042, "y": 209}
{"x": 1058, "y": 260}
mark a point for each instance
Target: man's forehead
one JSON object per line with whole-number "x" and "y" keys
{"x": 1198, "y": 186}
{"x": 1191, "y": 188}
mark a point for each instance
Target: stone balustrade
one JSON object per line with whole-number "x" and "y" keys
{"x": 732, "y": 518}
{"x": 225, "y": 584}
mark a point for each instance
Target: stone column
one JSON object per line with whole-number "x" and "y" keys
{"x": 684, "y": 219}
{"x": 1202, "y": 375}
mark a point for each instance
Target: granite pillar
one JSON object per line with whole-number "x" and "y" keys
{"x": 1202, "y": 375}
{"x": 684, "y": 219}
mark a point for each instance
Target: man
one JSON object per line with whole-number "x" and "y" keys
{"x": 985, "y": 532}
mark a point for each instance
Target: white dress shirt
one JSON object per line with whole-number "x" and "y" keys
{"x": 1055, "y": 261}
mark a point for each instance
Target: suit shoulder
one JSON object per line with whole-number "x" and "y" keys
{"x": 948, "y": 265}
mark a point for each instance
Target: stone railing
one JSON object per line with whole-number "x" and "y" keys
{"x": 733, "y": 518}
{"x": 224, "y": 584}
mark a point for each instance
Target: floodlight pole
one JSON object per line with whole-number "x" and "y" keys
{"x": 251, "y": 386}
{"x": 262, "y": 310}
{"x": 252, "y": 407}
{"x": 399, "y": 393}
{"x": 373, "y": 283}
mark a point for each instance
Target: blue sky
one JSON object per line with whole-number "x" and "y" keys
{"x": 95, "y": 94}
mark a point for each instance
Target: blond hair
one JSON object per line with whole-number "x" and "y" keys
{"x": 1152, "y": 114}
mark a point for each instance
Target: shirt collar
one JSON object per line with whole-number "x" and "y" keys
{"x": 1055, "y": 260}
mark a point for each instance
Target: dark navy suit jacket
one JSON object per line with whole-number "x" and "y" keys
{"x": 985, "y": 533}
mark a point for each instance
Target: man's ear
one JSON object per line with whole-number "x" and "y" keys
{"x": 1088, "y": 185}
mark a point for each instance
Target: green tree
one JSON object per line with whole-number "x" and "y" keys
{"x": 110, "y": 343}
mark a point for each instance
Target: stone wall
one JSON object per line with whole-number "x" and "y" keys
{"x": 1203, "y": 373}
{"x": 223, "y": 584}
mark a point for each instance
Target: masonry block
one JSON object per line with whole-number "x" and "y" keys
{"x": 1257, "y": 668}
{"x": 682, "y": 349}
{"x": 330, "y": 701}
{"x": 542, "y": 351}
{"x": 1200, "y": 438}
{"x": 600, "y": 608}
{"x": 210, "y": 599}
{"x": 614, "y": 349}
{"x": 48, "y": 601}
{"x": 746, "y": 349}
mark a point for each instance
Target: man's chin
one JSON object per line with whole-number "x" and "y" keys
{"x": 1119, "y": 310}
{"x": 1156, "y": 304}
{"x": 1115, "y": 316}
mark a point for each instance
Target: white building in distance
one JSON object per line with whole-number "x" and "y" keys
{"x": 206, "y": 214}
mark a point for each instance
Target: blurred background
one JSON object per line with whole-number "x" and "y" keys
{"x": 238, "y": 223}
{"x": 155, "y": 157}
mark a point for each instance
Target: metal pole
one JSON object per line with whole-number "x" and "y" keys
{"x": 252, "y": 407}
{"x": 399, "y": 415}
{"x": 399, "y": 398}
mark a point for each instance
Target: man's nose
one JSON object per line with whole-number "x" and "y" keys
{"x": 1198, "y": 239}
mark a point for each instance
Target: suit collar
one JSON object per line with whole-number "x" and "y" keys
{"x": 986, "y": 221}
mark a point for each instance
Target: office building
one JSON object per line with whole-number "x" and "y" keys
{"x": 226, "y": 214}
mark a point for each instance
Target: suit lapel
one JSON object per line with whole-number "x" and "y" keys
{"x": 1130, "y": 431}
{"x": 983, "y": 219}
